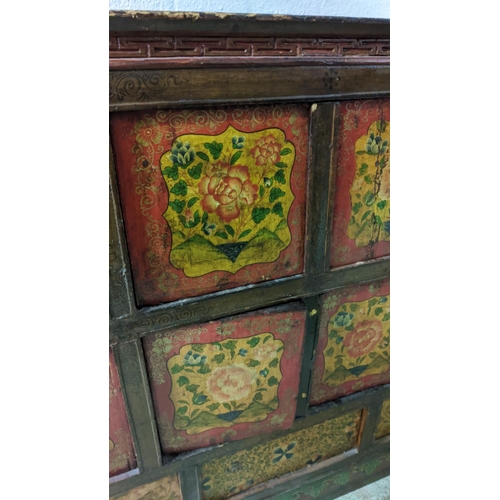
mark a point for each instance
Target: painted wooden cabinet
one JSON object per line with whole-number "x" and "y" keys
{"x": 249, "y": 256}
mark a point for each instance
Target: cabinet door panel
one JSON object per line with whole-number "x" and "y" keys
{"x": 227, "y": 379}
{"x": 353, "y": 351}
{"x": 361, "y": 222}
{"x": 212, "y": 199}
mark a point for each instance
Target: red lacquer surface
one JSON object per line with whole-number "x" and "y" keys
{"x": 139, "y": 141}
{"x": 331, "y": 305}
{"x": 355, "y": 119}
{"x": 252, "y": 337}
{"x": 121, "y": 450}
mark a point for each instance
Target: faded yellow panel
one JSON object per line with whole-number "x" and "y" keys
{"x": 167, "y": 488}
{"x": 237, "y": 472}
{"x": 240, "y": 193}
{"x": 384, "y": 424}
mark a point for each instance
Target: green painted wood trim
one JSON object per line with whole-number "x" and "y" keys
{"x": 371, "y": 417}
{"x": 206, "y": 24}
{"x": 132, "y": 368}
{"x": 236, "y": 301}
{"x": 316, "y": 415}
{"x": 190, "y": 483}
{"x": 319, "y": 190}
{"x": 121, "y": 298}
{"x": 310, "y": 341}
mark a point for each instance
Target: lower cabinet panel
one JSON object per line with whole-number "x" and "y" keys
{"x": 167, "y": 488}
{"x": 227, "y": 379}
{"x": 383, "y": 426}
{"x": 240, "y": 471}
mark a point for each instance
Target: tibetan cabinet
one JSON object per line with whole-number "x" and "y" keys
{"x": 249, "y": 256}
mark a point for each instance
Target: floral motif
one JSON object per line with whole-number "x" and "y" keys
{"x": 265, "y": 352}
{"x": 266, "y": 151}
{"x": 370, "y": 191}
{"x": 278, "y": 457}
{"x": 229, "y": 195}
{"x": 358, "y": 343}
{"x": 230, "y": 383}
{"x": 224, "y": 383}
{"x": 365, "y": 336}
{"x": 182, "y": 153}
{"x": 226, "y": 190}
{"x": 147, "y": 131}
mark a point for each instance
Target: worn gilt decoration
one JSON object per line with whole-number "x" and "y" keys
{"x": 167, "y": 488}
{"x": 121, "y": 450}
{"x": 353, "y": 351}
{"x": 384, "y": 422}
{"x": 231, "y": 474}
{"x": 213, "y": 199}
{"x": 361, "y": 227}
{"x": 225, "y": 380}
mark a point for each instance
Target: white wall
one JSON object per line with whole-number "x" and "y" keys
{"x": 343, "y": 8}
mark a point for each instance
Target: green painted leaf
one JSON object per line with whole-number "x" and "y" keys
{"x": 369, "y": 198}
{"x": 266, "y": 338}
{"x": 274, "y": 363}
{"x": 204, "y": 369}
{"x": 197, "y": 347}
{"x": 230, "y": 344}
{"x": 386, "y": 317}
{"x": 365, "y": 215}
{"x": 353, "y": 307}
{"x": 339, "y": 339}
{"x": 378, "y": 220}
{"x": 272, "y": 381}
{"x": 229, "y": 229}
{"x": 176, "y": 369}
{"x": 192, "y": 388}
{"x": 244, "y": 233}
{"x": 378, "y": 311}
{"x": 180, "y": 188}
{"x": 213, "y": 406}
{"x": 363, "y": 169}
{"x": 193, "y": 414}
{"x": 329, "y": 352}
{"x": 278, "y": 209}
{"x": 195, "y": 172}
{"x": 259, "y": 214}
{"x": 285, "y": 151}
{"x": 275, "y": 194}
{"x": 171, "y": 172}
{"x": 360, "y": 152}
{"x": 258, "y": 397}
{"x": 279, "y": 176}
{"x": 183, "y": 381}
{"x": 356, "y": 207}
{"x": 235, "y": 157}
{"x": 381, "y": 204}
{"x": 227, "y": 406}
{"x": 177, "y": 205}
{"x": 261, "y": 191}
{"x": 253, "y": 341}
{"x": 332, "y": 334}
{"x": 203, "y": 156}
{"x": 215, "y": 148}
{"x": 368, "y": 179}
{"x": 221, "y": 234}
{"x": 204, "y": 218}
{"x": 372, "y": 302}
{"x": 219, "y": 358}
{"x": 280, "y": 164}
{"x": 182, "y": 410}
{"x": 253, "y": 362}
{"x": 192, "y": 201}
{"x": 199, "y": 399}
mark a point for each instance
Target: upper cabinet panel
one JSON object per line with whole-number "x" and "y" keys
{"x": 361, "y": 222}
{"x": 212, "y": 199}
